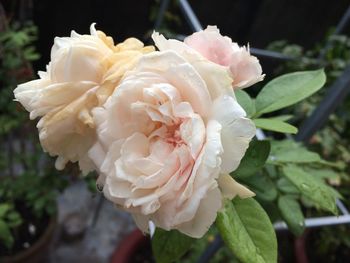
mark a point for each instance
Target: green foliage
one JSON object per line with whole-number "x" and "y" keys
{"x": 247, "y": 231}
{"x": 284, "y": 193}
{"x": 169, "y": 246}
{"x": 333, "y": 54}
{"x": 9, "y": 219}
{"x": 291, "y": 213}
{"x": 319, "y": 193}
{"x": 17, "y": 51}
{"x": 246, "y": 102}
{"x": 280, "y": 93}
{"x": 253, "y": 160}
{"x": 267, "y": 171}
{"x": 275, "y": 125}
{"x": 37, "y": 191}
{"x": 37, "y": 187}
{"x": 288, "y": 89}
{"x": 287, "y": 187}
{"x": 288, "y": 151}
{"x": 262, "y": 185}
{"x": 90, "y": 180}
{"x": 5, "y": 234}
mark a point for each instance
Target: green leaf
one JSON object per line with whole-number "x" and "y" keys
{"x": 262, "y": 186}
{"x": 5, "y": 235}
{"x": 247, "y": 231}
{"x": 286, "y": 186}
{"x": 323, "y": 173}
{"x": 282, "y": 117}
{"x": 253, "y": 160}
{"x": 245, "y": 101}
{"x": 288, "y": 151}
{"x": 271, "y": 170}
{"x": 275, "y": 125}
{"x": 318, "y": 192}
{"x": 3, "y": 209}
{"x": 288, "y": 89}
{"x": 169, "y": 246}
{"x": 291, "y": 213}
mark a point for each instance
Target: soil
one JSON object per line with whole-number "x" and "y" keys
{"x": 28, "y": 232}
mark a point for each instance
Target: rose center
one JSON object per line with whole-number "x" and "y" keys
{"x": 173, "y": 135}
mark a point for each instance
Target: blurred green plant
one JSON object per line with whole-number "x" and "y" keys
{"x": 28, "y": 182}
{"x": 333, "y": 55}
{"x": 27, "y": 196}
{"x": 9, "y": 219}
{"x": 16, "y": 54}
{"x": 332, "y": 141}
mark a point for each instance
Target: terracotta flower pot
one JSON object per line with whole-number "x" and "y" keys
{"x": 38, "y": 252}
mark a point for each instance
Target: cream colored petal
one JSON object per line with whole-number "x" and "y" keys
{"x": 236, "y": 132}
{"x": 181, "y": 75}
{"x": 192, "y": 133}
{"x": 235, "y": 140}
{"x": 230, "y": 188}
{"x": 207, "y": 164}
{"x": 142, "y": 222}
{"x": 68, "y": 64}
{"x": 217, "y": 78}
{"x": 85, "y": 164}
{"x": 205, "y": 215}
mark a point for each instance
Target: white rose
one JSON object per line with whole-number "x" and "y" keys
{"x": 83, "y": 72}
{"x": 167, "y": 138}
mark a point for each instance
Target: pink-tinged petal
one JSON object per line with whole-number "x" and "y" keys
{"x": 246, "y": 69}
{"x": 192, "y": 133}
{"x": 212, "y": 45}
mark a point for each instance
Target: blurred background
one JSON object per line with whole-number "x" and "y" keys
{"x": 63, "y": 210}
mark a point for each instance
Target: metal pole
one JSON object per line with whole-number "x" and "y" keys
{"x": 211, "y": 250}
{"x": 343, "y": 22}
{"x": 317, "y": 222}
{"x": 190, "y": 16}
{"x": 97, "y": 211}
{"x": 269, "y": 54}
{"x": 163, "y": 7}
{"x": 338, "y": 30}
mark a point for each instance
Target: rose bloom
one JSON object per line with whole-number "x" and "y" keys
{"x": 245, "y": 69}
{"x": 167, "y": 139}
{"x": 82, "y": 74}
